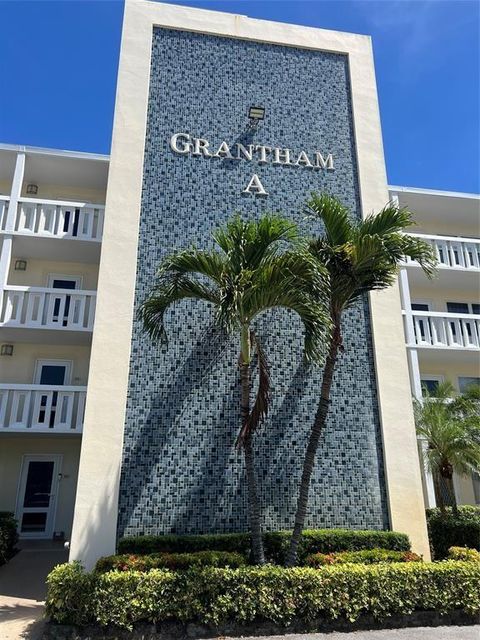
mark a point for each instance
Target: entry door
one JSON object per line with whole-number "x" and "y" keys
{"x": 37, "y": 496}
{"x": 60, "y": 311}
{"x": 53, "y": 373}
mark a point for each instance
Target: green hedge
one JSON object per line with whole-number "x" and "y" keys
{"x": 8, "y": 536}
{"x": 276, "y": 543}
{"x": 367, "y": 556}
{"x": 173, "y": 561}
{"x": 448, "y": 530}
{"x": 214, "y": 596}
{"x": 463, "y": 553}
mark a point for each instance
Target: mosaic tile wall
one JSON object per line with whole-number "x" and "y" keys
{"x": 180, "y": 470}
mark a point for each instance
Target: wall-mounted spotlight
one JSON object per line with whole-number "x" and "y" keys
{"x": 20, "y": 265}
{"x": 32, "y": 189}
{"x": 6, "y": 350}
{"x": 255, "y": 114}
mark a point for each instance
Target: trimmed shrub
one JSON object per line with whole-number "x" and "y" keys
{"x": 367, "y": 556}
{"x": 464, "y": 554}
{"x": 276, "y": 543}
{"x": 173, "y": 561}
{"x": 8, "y": 536}
{"x": 448, "y": 530}
{"x": 215, "y": 596}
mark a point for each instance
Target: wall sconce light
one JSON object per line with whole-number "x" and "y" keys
{"x": 6, "y": 350}
{"x": 32, "y": 189}
{"x": 20, "y": 265}
{"x": 255, "y": 114}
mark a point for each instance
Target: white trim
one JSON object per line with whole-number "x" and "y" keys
{"x": 46, "y": 151}
{"x": 434, "y": 192}
{"x": 57, "y": 459}
{"x": 78, "y": 280}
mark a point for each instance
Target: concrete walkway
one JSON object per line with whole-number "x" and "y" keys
{"x": 22, "y": 589}
{"x": 412, "y": 633}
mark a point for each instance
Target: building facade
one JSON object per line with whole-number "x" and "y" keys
{"x": 106, "y": 430}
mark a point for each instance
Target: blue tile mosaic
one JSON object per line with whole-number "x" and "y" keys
{"x": 180, "y": 470}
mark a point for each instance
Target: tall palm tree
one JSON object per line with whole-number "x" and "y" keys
{"x": 450, "y": 427}
{"x": 256, "y": 266}
{"x": 359, "y": 256}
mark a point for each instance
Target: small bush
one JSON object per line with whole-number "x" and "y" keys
{"x": 8, "y": 536}
{"x": 173, "y": 561}
{"x": 449, "y": 530}
{"x": 464, "y": 554}
{"x": 215, "y": 596}
{"x": 367, "y": 556}
{"x": 276, "y": 543}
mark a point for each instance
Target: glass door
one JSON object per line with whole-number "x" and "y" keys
{"x": 37, "y": 495}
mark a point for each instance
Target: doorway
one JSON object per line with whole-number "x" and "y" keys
{"x": 37, "y": 495}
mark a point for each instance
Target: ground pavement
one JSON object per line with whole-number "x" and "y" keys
{"x": 22, "y": 589}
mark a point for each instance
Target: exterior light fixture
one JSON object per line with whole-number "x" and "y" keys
{"x": 6, "y": 350}
{"x": 255, "y": 114}
{"x": 20, "y": 265}
{"x": 32, "y": 189}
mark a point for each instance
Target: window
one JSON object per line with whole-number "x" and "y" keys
{"x": 476, "y": 309}
{"x": 429, "y": 384}
{"x": 465, "y": 381}
{"x": 420, "y": 306}
{"x": 457, "y": 307}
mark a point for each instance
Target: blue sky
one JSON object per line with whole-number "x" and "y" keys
{"x": 59, "y": 63}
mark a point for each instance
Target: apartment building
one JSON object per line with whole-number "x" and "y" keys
{"x": 442, "y": 316}
{"x": 51, "y": 220}
{"x": 100, "y": 428}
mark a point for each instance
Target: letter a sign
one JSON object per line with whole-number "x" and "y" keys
{"x": 255, "y": 186}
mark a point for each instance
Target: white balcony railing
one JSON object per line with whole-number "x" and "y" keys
{"x": 41, "y": 308}
{"x": 36, "y": 408}
{"x": 452, "y": 252}
{"x": 445, "y": 330}
{"x": 59, "y": 219}
{"x": 4, "y": 200}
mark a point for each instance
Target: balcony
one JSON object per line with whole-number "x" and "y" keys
{"x": 36, "y": 408}
{"x": 452, "y": 253}
{"x": 59, "y": 219}
{"x": 38, "y": 309}
{"x": 444, "y": 330}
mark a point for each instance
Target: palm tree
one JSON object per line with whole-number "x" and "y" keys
{"x": 256, "y": 266}
{"x": 360, "y": 256}
{"x": 450, "y": 428}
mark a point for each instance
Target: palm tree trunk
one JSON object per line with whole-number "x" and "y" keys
{"x": 309, "y": 461}
{"x": 438, "y": 492}
{"x": 253, "y": 500}
{"x": 450, "y": 490}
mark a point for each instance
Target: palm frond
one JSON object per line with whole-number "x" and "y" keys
{"x": 334, "y": 215}
{"x": 168, "y": 290}
{"x": 211, "y": 264}
{"x": 391, "y": 219}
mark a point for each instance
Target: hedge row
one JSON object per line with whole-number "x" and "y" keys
{"x": 173, "y": 561}
{"x": 367, "y": 556}
{"x": 448, "y": 530}
{"x": 462, "y": 553}
{"x": 276, "y": 543}
{"x": 252, "y": 594}
{"x": 8, "y": 536}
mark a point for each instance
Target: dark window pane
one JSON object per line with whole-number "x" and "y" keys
{"x": 476, "y": 309}
{"x": 39, "y": 484}
{"x": 429, "y": 385}
{"x": 63, "y": 284}
{"x": 34, "y": 522}
{"x": 465, "y": 382}
{"x": 417, "y": 306}
{"x": 457, "y": 307}
{"x": 53, "y": 374}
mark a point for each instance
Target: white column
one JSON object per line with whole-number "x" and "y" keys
{"x": 415, "y": 380}
{"x": 7, "y": 244}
